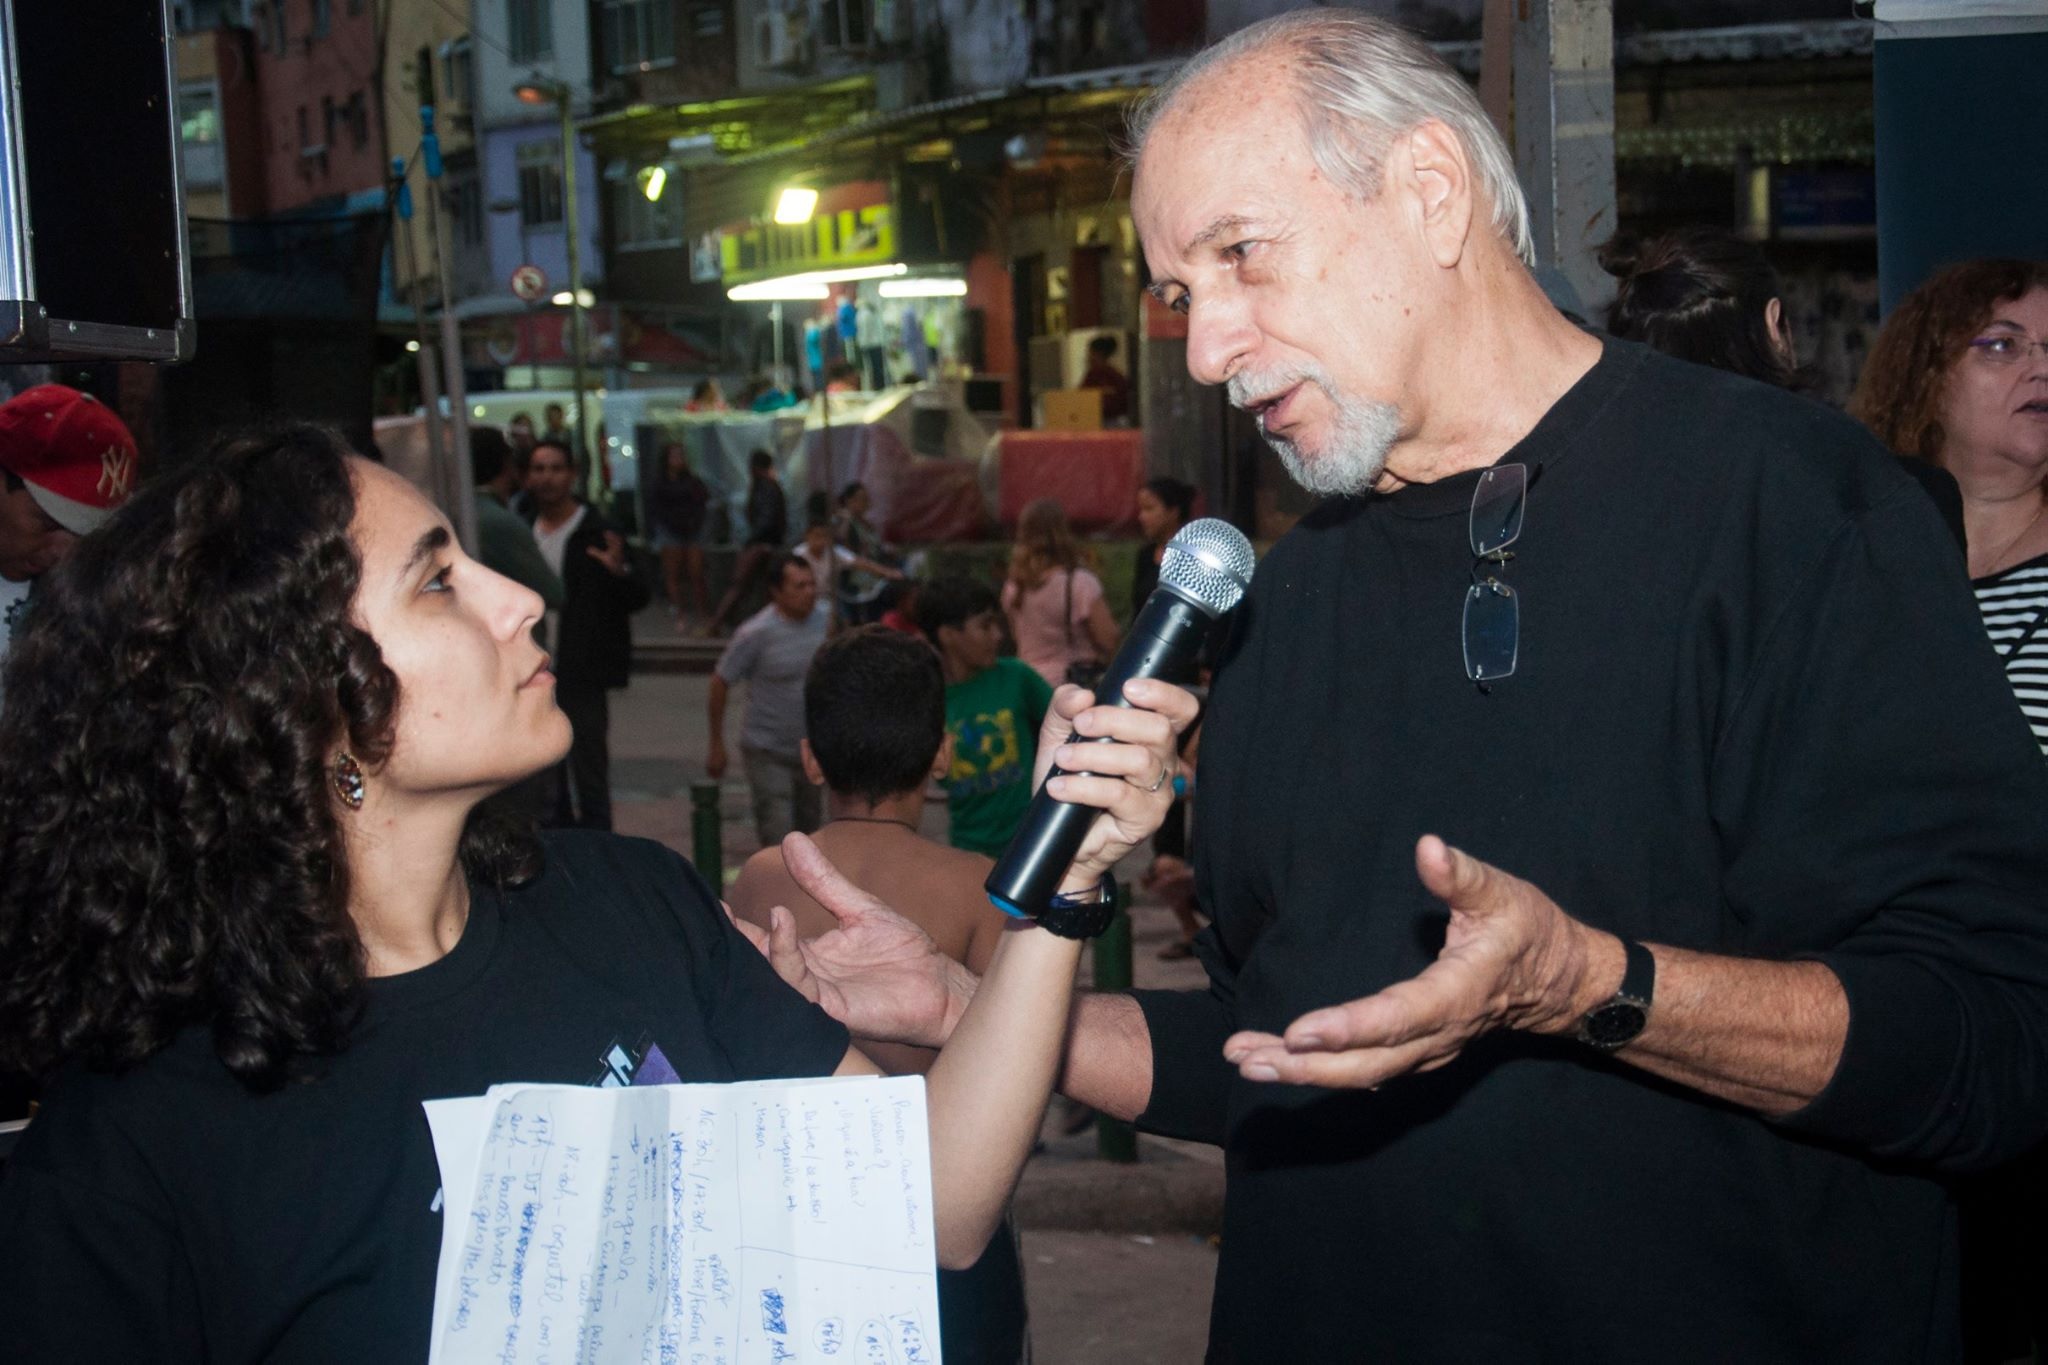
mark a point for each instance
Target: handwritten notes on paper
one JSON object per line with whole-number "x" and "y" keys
{"x": 696, "y": 1224}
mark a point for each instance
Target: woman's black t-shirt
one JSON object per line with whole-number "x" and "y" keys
{"x": 169, "y": 1213}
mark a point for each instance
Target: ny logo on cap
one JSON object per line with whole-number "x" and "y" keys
{"x": 117, "y": 471}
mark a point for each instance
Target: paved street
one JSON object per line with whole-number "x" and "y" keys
{"x": 1118, "y": 1298}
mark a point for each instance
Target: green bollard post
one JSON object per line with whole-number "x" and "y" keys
{"x": 707, "y": 836}
{"x": 1115, "y": 1140}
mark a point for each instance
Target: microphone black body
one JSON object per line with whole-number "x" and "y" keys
{"x": 1165, "y": 641}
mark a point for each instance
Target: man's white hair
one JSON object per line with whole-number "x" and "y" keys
{"x": 1360, "y": 82}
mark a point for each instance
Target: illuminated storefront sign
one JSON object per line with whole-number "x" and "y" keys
{"x": 833, "y": 240}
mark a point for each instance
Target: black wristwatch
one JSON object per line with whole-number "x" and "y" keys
{"x": 1080, "y": 916}
{"x": 1614, "y": 1023}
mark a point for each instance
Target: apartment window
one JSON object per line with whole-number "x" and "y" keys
{"x": 640, "y": 224}
{"x": 199, "y": 132}
{"x": 466, "y": 205}
{"x": 327, "y": 116}
{"x": 323, "y": 18}
{"x": 198, "y": 113}
{"x": 458, "y": 74}
{"x": 530, "y": 30}
{"x": 356, "y": 114}
{"x": 540, "y": 183}
{"x": 843, "y": 23}
{"x": 707, "y": 21}
{"x": 280, "y": 28}
{"x": 639, "y": 34}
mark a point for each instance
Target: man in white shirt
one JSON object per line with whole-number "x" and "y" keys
{"x": 590, "y": 638}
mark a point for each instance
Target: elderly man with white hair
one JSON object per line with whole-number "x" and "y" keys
{"x": 1627, "y": 873}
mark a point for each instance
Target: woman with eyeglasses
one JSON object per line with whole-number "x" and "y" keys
{"x": 253, "y": 912}
{"x": 1958, "y": 376}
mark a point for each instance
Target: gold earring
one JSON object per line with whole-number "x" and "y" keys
{"x": 348, "y": 780}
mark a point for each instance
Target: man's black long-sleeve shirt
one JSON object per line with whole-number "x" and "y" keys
{"x": 1754, "y": 714}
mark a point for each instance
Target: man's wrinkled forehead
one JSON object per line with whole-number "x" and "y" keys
{"x": 1198, "y": 144}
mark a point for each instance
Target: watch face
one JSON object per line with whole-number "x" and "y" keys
{"x": 1614, "y": 1023}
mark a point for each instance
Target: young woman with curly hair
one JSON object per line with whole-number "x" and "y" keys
{"x": 252, "y": 914}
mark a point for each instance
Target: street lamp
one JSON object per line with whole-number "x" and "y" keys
{"x": 542, "y": 90}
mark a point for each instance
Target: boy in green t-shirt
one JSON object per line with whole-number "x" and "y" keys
{"x": 994, "y": 707}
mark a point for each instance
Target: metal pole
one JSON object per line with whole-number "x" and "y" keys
{"x": 430, "y": 396}
{"x": 1115, "y": 1140}
{"x": 1564, "y": 135}
{"x": 578, "y": 335}
{"x": 707, "y": 835}
{"x": 461, "y": 498}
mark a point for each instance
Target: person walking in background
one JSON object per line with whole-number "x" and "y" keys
{"x": 1102, "y": 373}
{"x": 994, "y": 707}
{"x": 1708, "y": 296}
{"x": 707, "y": 396}
{"x": 830, "y": 560}
{"x": 862, "y": 595}
{"x": 677, "y": 506}
{"x": 556, "y": 428}
{"x": 1057, "y": 614}
{"x": 1958, "y": 378}
{"x": 505, "y": 545}
{"x": 874, "y": 735}
{"x": 519, "y": 431}
{"x": 767, "y": 537}
{"x": 1164, "y": 506}
{"x": 770, "y": 653}
{"x": 504, "y": 542}
{"x": 590, "y": 636}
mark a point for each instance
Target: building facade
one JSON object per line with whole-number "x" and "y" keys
{"x": 319, "y": 77}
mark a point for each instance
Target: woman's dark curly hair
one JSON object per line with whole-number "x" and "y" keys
{"x": 170, "y": 847}
{"x": 1899, "y": 394}
{"x": 1700, "y": 294}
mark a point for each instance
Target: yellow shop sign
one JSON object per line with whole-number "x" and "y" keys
{"x": 830, "y": 241}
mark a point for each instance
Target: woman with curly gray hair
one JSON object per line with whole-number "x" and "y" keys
{"x": 253, "y": 912}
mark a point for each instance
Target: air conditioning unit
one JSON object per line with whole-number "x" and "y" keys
{"x": 779, "y": 40}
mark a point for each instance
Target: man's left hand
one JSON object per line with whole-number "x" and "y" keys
{"x": 1511, "y": 959}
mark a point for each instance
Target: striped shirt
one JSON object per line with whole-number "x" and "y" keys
{"x": 2015, "y": 608}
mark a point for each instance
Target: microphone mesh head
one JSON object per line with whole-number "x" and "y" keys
{"x": 1209, "y": 563}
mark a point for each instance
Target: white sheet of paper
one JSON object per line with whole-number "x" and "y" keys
{"x": 701, "y": 1224}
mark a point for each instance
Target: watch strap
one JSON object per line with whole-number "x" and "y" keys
{"x": 1639, "y": 977}
{"x": 1083, "y": 916}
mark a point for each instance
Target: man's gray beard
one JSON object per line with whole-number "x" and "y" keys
{"x": 1360, "y": 436}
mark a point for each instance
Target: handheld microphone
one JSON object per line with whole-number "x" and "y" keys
{"x": 1202, "y": 576}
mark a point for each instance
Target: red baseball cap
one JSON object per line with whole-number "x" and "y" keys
{"x": 75, "y": 456}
